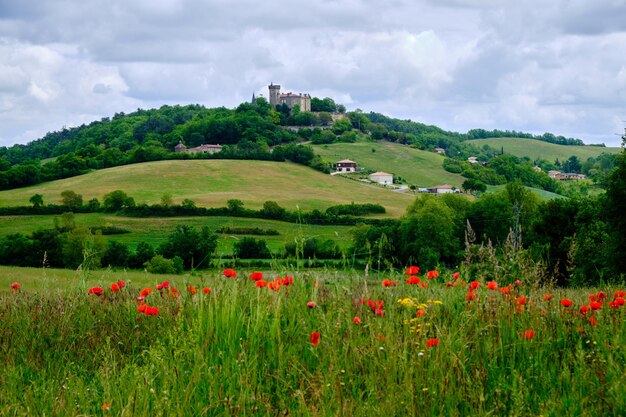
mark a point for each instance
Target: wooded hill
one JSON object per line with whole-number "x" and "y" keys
{"x": 250, "y": 132}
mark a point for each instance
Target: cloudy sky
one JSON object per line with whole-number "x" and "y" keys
{"x": 535, "y": 66}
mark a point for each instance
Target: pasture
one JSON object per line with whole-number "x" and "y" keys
{"x": 536, "y": 149}
{"x": 211, "y": 183}
{"x": 416, "y": 167}
{"x": 321, "y": 343}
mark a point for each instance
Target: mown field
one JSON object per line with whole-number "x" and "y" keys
{"x": 211, "y": 183}
{"x": 324, "y": 343}
{"x": 416, "y": 167}
{"x": 536, "y": 149}
{"x": 155, "y": 230}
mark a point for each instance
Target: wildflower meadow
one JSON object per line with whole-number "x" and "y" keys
{"x": 250, "y": 343}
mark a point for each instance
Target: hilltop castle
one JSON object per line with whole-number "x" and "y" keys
{"x": 290, "y": 99}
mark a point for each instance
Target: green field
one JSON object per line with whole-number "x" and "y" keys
{"x": 416, "y": 167}
{"x": 536, "y": 149}
{"x": 329, "y": 344}
{"x": 154, "y": 230}
{"x": 210, "y": 183}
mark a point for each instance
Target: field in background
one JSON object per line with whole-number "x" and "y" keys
{"x": 536, "y": 149}
{"x": 416, "y": 167}
{"x": 211, "y": 183}
{"x": 154, "y": 230}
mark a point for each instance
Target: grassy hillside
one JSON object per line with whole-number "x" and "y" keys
{"x": 536, "y": 149}
{"x": 211, "y": 183}
{"x": 417, "y": 167}
{"x": 543, "y": 194}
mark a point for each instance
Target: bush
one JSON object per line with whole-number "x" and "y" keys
{"x": 160, "y": 265}
{"x": 251, "y": 248}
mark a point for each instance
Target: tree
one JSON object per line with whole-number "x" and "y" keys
{"x": 160, "y": 265}
{"x": 70, "y": 199}
{"x": 271, "y": 210}
{"x": 116, "y": 254}
{"x": 116, "y": 200}
{"x": 193, "y": 247}
{"x": 474, "y": 185}
{"x": 615, "y": 207}
{"x": 36, "y": 200}
{"x": 166, "y": 200}
{"x": 143, "y": 254}
{"x": 234, "y": 206}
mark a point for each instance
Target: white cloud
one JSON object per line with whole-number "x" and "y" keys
{"x": 461, "y": 64}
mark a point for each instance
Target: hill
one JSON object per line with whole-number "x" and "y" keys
{"x": 211, "y": 183}
{"x": 535, "y": 149}
{"x": 417, "y": 167}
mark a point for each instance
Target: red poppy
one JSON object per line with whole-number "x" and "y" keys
{"x": 256, "y": 276}
{"x": 455, "y": 276}
{"x": 470, "y": 296}
{"x": 388, "y": 283}
{"x": 521, "y": 300}
{"x": 105, "y": 406}
{"x": 274, "y": 285}
{"x": 492, "y": 285}
{"x": 432, "y": 343}
{"x": 595, "y": 305}
{"x": 16, "y": 286}
{"x": 566, "y": 303}
{"x": 261, "y": 283}
{"x": 207, "y": 290}
{"x": 191, "y": 289}
{"x": 311, "y": 304}
{"x": 145, "y": 292}
{"x": 115, "y": 287}
{"x": 619, "y": 301}
{"x": 314, "y": 338}
{"x": 151, "y": 311}
{"x": 230, "y": 273}
{"x": 432, "y": 274}
{"x": 474, "y": 285}
{"x": 592, "y": 297}
{"x": 163, "y": 285}
{"x": 420, "y": 313}
{"x": 121, "y": 284}
{"x": 173, "y": 293}
{"x": 412, "y": 270}
{"x": 423, "y": 285}
{"x": 547, "y": 297}
{"x": 380, "y": 312}
{"x": 619, "y": 293}
{"x": 505, "y": 290}
{"x": 584, "y": 310}
{"x": 593, "y": 321}
{"x": 413, "y": 280}
{"x": 529, "y": 334}
{"x": 600, "y": 295}
{"x": 356, "y": 320}
{"x": 141, "y": 308}
{"x": 288, "y": 280}
{"x": 95, "y": 291}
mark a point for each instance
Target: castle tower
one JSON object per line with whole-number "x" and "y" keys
{"x": 274, "y": 94}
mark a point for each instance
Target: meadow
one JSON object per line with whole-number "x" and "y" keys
{"x": 155, "y": 230}
{"x": 536, "y": 149}
{"x": 416, "y": 167}
{"x": 289, "y": 342}
{"x": 211, "y": 183}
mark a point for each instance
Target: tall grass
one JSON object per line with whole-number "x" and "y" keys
{"x": 243, "y": 350}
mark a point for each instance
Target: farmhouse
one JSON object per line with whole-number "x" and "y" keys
{"x": 444, "y": 189}
{"x": 564, "y": 176}
{"x": 346, "y": 165}
{"x": 382, "y": 178}
{"x": 440, "y": 150}
{"x": 472, "y": 160}
{"x": 211, "y": 149}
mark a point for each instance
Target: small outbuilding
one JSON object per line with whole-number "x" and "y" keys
{"x": 382, "y": 178}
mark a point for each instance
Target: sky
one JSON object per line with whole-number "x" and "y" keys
{"x": 535, "y": 66}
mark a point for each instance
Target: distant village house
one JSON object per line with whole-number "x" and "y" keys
{"x": 382, "y": 178}
{"x": 440, "y": 189}
{"x": 346, "y": 165}
{"x": 472, "y": 160}
{"x": 290, "y": 99}
{"x": 565, "y": 176}
{"x": 440, "y": 150}
{"x": 210, "y": 149}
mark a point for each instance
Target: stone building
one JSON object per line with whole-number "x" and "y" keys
{"x": 290, "y": 99}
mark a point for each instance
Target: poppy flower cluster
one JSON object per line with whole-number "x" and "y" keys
{"x": 375, "y": 306}
{"x": 388, "y": 283}
{"x": 430, "y": 343}
{"x": 16, "y": 286}
{"x": 432, "y": 274}
{"x": 147, "y": 310}
{"x": 230, "y": 273}
{"x": 98, "y": 291}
